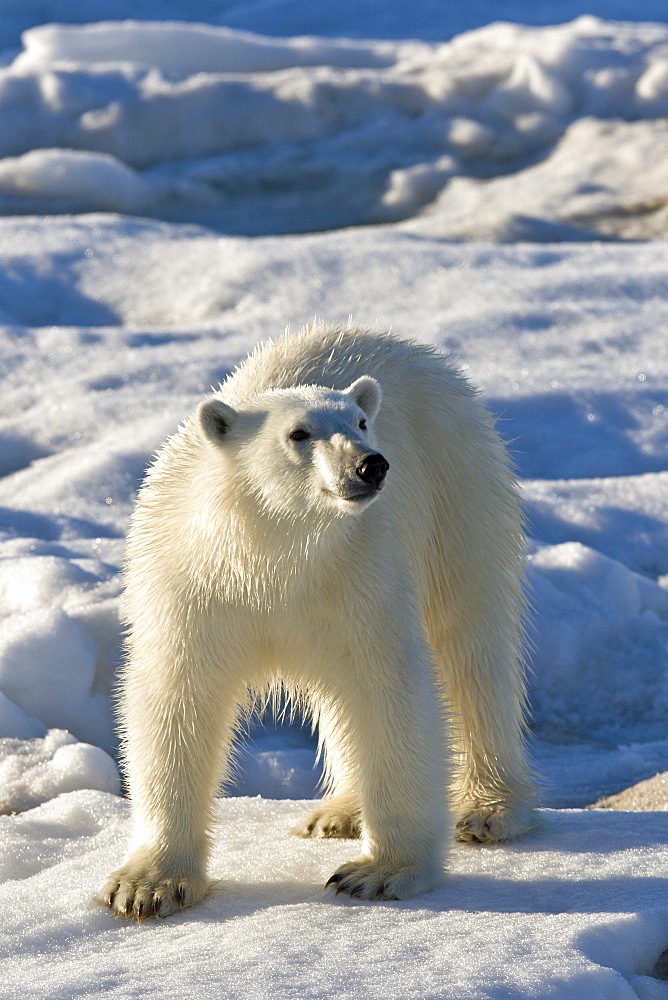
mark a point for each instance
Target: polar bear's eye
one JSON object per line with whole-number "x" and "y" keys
{"x": 299, "y": 434}
{"x": 362, "y": 424}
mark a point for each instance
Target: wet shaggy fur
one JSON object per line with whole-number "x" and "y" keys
{"x": 260, "y": 560}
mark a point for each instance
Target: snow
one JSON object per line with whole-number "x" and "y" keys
{"x": 255, "y": 135}
{"x": 650, "y": 795}
{"x": 550, "y": 916}
{"x": 36, "y": 770}
{"x": 158, "y": 163}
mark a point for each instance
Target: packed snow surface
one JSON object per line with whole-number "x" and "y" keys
{"x": 551, "y": 916}
{"x": 503, "y": 161}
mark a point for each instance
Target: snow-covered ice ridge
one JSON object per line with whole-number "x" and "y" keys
{"x": 506, "y": 132}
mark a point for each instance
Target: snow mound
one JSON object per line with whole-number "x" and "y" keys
{"x": 650, "y": 795}
{"x": 596, "y": 616}
{"x": 14, "y": 722}
{"x": 184, "y": 50}
{"x": 35, "y": 770}
{"x": 433, "y": 20}
{"x": 70, "y": 180}
{"x": 47, "y": 667}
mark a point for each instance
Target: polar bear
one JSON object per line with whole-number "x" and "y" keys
{"x": 297, "y": 537}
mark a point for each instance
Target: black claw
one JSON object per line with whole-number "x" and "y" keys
{"x": 128, "y": 909}
{"x": 355, "y": 892}
{"x": 156, "y": 906}
{"x": 336, "y": 877}
{"x": 140, "y": 912}
{"x": 180, "y": 895}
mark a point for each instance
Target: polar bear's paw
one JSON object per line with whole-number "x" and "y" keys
{"x": 148, "y": 894}
{"x": 489, "y": 824}
{"x": 364, "y": 879}
{"x": 331, "y": 820}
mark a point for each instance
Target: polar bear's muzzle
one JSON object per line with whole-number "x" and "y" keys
{"x": 373, "y": 469}
{"x": 351, "y": 474}
{"x": 370, "y": 477}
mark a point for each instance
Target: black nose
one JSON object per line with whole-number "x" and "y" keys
{"x": 373, "y": 469}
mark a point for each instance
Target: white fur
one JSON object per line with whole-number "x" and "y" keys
{"x": 254, "y": 568}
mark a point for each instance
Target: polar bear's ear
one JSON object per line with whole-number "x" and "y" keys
{"x": 214, "y": 419}
{"x": 367, "y": 394}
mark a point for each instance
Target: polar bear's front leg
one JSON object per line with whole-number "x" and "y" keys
{"x": 177, "y": 716}
{"x": 393, "y": 726}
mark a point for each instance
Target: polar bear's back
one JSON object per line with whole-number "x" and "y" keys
{"x": 335, "y": 357}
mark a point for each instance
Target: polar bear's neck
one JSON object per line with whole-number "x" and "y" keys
{"x": 262, "y": 559}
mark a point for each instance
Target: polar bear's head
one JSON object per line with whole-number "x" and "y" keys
{"x": 299, "y": 450}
